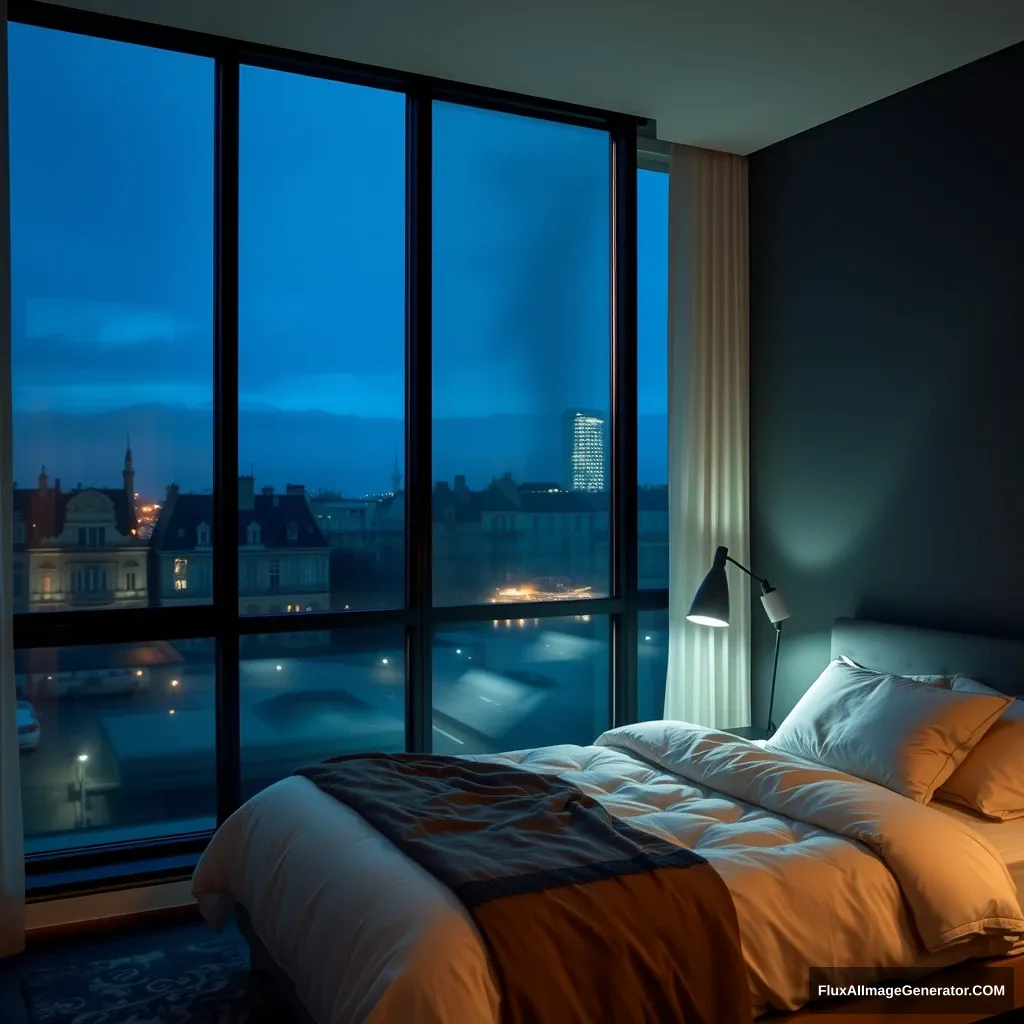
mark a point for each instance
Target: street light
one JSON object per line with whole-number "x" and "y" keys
{"x": 82, "y": 760}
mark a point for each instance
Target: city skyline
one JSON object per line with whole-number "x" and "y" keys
{"x": 112, "y": 208}
{"x": 151, "y": 484}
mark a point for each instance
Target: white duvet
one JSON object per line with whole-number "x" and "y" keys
{"x": 824, "y": 870}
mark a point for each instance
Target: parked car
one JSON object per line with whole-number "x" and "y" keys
{"x": 28, "y": 727}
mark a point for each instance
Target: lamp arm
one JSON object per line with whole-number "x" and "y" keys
{"x": 765, "y": 585}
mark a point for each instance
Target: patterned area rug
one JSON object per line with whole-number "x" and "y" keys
{"x": 187, "y": 982}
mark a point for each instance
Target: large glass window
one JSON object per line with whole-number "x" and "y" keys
{"x": 308, "y": 696}
{"x": 321, "y": 344}
{"x": 652, "y": 664}
{"x": 522, "y": 364}
{"x": 652, "y": 377}
{"x": 123, "y": 176}
{"x": 117, "y": 742}
{"x": 515, "y": 683}
{"x": 111, "y": 165}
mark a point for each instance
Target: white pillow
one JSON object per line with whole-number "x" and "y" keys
{"x": 946, "y": 682}
{"x": 991, "y": 778}
{"x": 906, "y": 735}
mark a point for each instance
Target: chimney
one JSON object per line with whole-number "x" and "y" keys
{"x": 460, "y": 484}
{"x": 267, "y": 491}
{"x": 43, "y": 485}
{"x": 56, "y": 484}
{"x": 295, "y": 489}
{"x": 246, "y": 496}
{"x": 171, "y": 492}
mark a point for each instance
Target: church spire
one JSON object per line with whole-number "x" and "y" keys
{"x": 128, "y": 475}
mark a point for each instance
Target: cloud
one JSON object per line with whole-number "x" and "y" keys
{"x": 57, "y": 362}
{"x": 105, "y": 324}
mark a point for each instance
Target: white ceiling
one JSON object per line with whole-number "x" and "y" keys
{"x": 733, "y": 75}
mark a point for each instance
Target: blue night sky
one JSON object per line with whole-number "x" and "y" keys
{"x": 112, "y": 253}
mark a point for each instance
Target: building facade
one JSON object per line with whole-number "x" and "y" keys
{"x": 283, "y": 558}
{"x": 584, "y": 451}
{"x": 78, "y": 549}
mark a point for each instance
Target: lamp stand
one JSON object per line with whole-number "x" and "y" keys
{"x": 775, "y": 671}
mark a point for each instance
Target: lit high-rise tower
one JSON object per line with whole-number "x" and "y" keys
{"x": 584, "y": 450}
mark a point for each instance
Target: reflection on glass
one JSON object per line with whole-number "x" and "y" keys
{"x": 521, "y": 358}
{"x": 111, "y": 164}
{"x": 312, "y": 695}
{"x": 652, "y": 376}
{"x": 321, "y": 370}
{"x": 117, "y": 742}
{"x": 515, "y": 683}
{"x": 652, "y": 664}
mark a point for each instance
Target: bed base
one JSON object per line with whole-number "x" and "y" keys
{"x": 264, "y": 965}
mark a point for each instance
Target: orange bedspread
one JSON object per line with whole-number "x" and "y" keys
{"x": 586, "y": 919}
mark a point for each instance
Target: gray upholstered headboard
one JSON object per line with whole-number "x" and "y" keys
{"x": 908, "y": 650}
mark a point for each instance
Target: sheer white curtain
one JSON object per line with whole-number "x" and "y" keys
{"x": 12, "y": 856}
{"x": 708, "y": 669}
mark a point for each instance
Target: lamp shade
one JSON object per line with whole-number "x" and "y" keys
{"x": 710, "y": 605}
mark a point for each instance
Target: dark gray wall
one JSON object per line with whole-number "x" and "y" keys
{"x": 887, "y": 368}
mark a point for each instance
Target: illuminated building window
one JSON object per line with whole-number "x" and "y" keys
{"x": 585, "y": 450}
{"x": 181, "y": 574}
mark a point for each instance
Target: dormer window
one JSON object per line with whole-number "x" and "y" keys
{"x": 203, "y": 535}
{"x": 293, "y": 531}
{"x": 252, "y": 534}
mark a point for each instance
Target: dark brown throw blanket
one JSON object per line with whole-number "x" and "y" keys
{"x": 587, "y": 920}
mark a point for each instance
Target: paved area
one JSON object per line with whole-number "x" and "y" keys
{"x": 114, "y": 767}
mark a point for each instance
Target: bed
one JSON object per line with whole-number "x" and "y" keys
{"x": 352, "y": 930}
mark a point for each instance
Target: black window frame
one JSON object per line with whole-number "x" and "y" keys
{"x": 652, "y": 155}
{"x": 93, "y": 867}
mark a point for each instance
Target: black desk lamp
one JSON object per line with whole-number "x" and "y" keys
{"x": 710, "y": 607}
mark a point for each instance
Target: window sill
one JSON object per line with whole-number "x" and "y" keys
{"x": 73, "y": 880}
{"x": 108, "y": 867}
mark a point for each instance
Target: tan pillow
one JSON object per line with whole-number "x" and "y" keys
{"x": 904, "y": 735}
{"x": 991, "y": 778}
